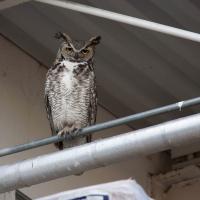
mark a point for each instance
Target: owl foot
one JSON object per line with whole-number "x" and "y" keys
{"x": 75, "y": 132}
{"x": 69, "y": 134}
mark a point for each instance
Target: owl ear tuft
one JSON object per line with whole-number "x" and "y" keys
{"x": 58, "y": 35}
{"x": 64, "y": 36}
{"x": 95, "y": 40}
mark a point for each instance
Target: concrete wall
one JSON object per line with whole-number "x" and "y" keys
{"x": 23, "y": 119}
{"x": 185, "y": 191}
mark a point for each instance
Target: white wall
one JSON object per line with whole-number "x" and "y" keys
{"x": 23, "y": 118}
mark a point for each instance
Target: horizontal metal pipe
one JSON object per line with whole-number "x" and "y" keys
{"x": 125, "y": 19}
{"x": 100, "y": 153}
{"x": 101, "y": 126}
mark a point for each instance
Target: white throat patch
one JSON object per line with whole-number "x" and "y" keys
{"x": 68, "y": 77}
{"x": 70, "y": 65}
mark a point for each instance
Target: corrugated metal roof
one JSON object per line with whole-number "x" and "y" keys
{"x": 136, "y": 69}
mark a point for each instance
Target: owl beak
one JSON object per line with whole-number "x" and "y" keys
{"x": 76, "y": 56}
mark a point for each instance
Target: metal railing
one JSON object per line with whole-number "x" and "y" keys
{"x": 101, "y": 126}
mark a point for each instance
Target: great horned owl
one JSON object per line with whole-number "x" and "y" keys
{"x": 70, "y": 88}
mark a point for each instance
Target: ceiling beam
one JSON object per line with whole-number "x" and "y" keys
{"x": 10, "y": 3}
{"x": 169, "y": 30}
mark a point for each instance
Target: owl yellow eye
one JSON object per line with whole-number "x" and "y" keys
{"x": 68, "y": 49}
{"x": 85, "y": 51}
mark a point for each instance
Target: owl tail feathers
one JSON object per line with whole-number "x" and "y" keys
{"x": 59, "y": 145}
{"x": 89, "y": 138}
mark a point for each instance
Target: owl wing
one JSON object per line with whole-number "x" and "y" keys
{"x": 92, "y": 111}
{"x": 49, "y": 114}
{"x": 93, "y": 107}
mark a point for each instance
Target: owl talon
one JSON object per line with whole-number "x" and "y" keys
{"x": 75, "y": 132}
{"x": 64, "y": 134}
{"x": 69, "y": 134}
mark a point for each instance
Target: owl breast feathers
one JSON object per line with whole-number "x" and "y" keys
{"x": 70, "y": 89}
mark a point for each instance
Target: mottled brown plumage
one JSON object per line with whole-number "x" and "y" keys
{"x": 70, "y": 89}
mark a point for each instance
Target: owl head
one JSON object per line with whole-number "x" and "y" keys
{"x": 76, "y": 51}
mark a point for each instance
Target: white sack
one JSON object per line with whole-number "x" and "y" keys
{"x": 119, "y": 190}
